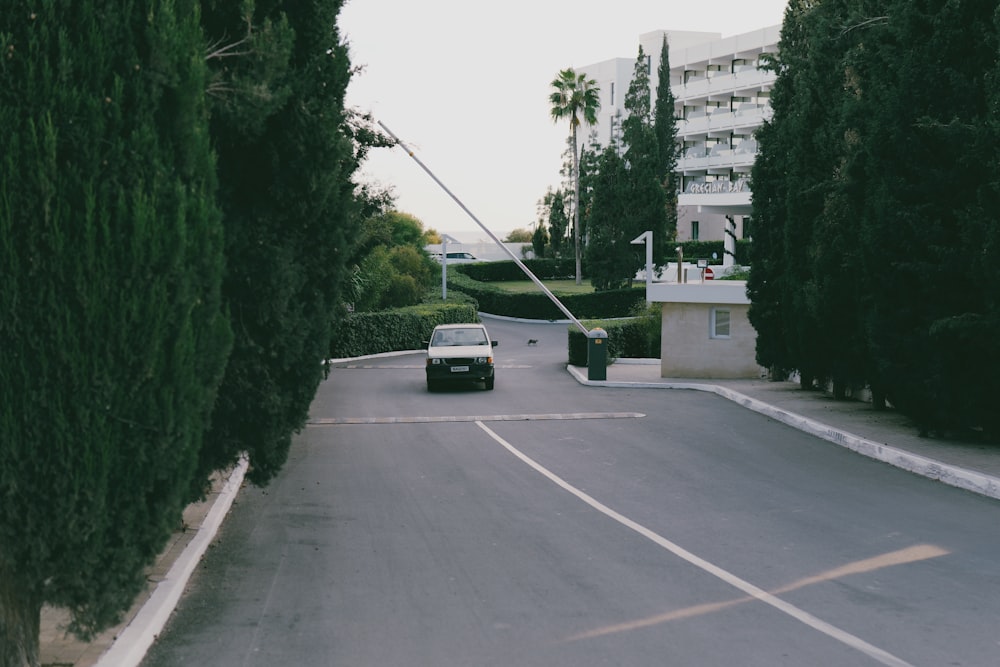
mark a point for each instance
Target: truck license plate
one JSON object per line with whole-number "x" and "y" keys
{"x": 459, "y": 369}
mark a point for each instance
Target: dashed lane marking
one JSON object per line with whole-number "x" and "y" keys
{"x": 336, "y": 421}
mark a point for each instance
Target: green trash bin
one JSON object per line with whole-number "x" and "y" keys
{"x": 597, "y": 354}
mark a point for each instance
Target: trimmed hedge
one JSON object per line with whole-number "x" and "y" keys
{"x": 470, "y": 292}
{"x": 632, "y": 338}
{"x": 545, "y": 269}
{"x": 395, "y": 330}
{"x": 538, "y": 306}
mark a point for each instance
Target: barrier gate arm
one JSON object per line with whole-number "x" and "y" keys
{"x": 493, "y": 236}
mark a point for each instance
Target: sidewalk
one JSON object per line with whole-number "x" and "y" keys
{"x": 883, "y": 435}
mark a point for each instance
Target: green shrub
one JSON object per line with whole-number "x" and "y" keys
{"x": 432, "y": 297}
{"x": 544, "y": 269}
{"x": 395, "y": 330}
{"x": 538, "y": 306}
{"x": 636, "y": 336}
{"x": 737, "y": 273}
{"x": 695, "y": 250}
{"x": 631, "y": 338}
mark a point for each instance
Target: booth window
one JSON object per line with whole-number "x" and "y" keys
{"x": 720, "y": 323}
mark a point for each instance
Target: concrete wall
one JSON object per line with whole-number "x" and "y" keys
{"x": 687, "y": 349}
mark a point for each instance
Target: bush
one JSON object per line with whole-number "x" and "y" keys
{"x": 538, "y": 306}
{"x": 695, "y": 250}
{"x": 403, "y": 291}
{"x": 633, "y": 338}
{"x": 395, "y": 330}
{"x": 407, "y": 328}
{"x": 544, "y": 269}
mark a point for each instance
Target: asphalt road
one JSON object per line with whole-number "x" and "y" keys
{"x": 549, "y": 523}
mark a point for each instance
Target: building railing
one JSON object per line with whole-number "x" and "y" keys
{"x": 745, "y": 116}
{"x": 720, "y": 156}
{"x": 748, "y": 78}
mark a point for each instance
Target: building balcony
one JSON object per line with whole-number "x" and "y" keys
{"x": 746, "y": 117}
{"x": 747, "y": 78}
{"x": 719, "y": 159}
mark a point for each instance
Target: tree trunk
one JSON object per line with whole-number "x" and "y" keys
{"x": 839, "y": 390}
{"x": 20, "y": 615}
{"x": 878, "y": 399}
{"x": 805, "y": 380}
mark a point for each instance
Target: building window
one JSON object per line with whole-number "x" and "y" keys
{"x": 747, "y": 227}
{"x": 612, "y": 93}
{"x": 720, "y": 323}
{"x": 694, "y": 230}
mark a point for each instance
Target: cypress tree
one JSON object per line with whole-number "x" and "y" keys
{"x": 831, "y": 283}
{"x": 668, "y": 151}
{"x": 925, "y": 233}
{"x": 874, "y": 253}
{"x": 765, "y": 284}
{"x": 285, "y": 167}
{"x": 791, "y": 185}
{"x": 112, "y": 339}
{"x": 558, "y": 221}
{"x": 590, "y": 156}
{"x": 606, "y": 255}
{"x": 987, "y": 264}
{"x": 645, "y": 200}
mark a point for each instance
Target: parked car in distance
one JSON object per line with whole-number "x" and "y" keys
{"x": 460, "y": 352}
{"x": 457, "y": 257}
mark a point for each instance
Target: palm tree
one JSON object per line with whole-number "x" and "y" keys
{"x": 574, "y": 95}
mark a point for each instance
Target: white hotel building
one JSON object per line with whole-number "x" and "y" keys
{"x": 722, "y": 95}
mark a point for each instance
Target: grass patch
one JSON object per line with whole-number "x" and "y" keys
{"x": 555, "y": 286}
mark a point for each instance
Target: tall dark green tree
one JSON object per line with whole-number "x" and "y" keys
{"x": 112, "y": 339}
{"x": 539, "y": 240}
{"x": 925, "y": 234}
{"x": 606, "y": 254}
{"x": 558, "y": 222}
{"x": 285, "y": 169}
{"x": 646, "y": 200}
{"x": 788, "y": 195}
{"x": 874, "y": 209}
{"x": 590, "y": 155}
{"x": 668, "y": 150}
{"x": 986, "y": 265}
{"x": 827, "y": 293}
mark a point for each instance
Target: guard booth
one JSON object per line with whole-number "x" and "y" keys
{"x": 706, "y": 330}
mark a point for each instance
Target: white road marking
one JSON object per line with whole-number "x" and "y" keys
{"x": 396, "y": 367}
{"x": 759, "y": 594}
{"x": 335, "y": 421}
{"x": 901, "y": 557}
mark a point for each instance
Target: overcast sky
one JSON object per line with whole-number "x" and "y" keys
{"x": 465, "y": 84}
